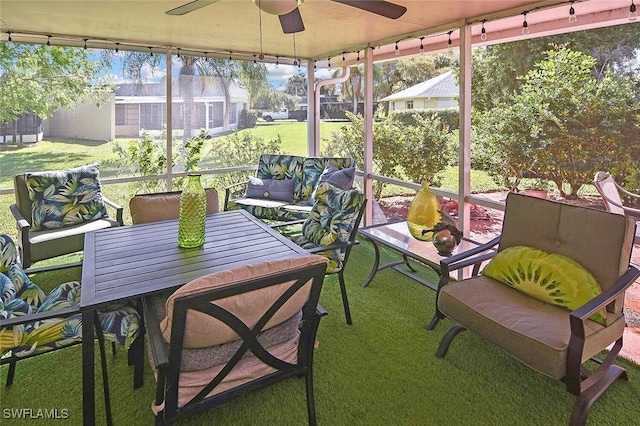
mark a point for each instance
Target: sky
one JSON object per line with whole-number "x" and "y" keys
{"x": 277, "y": 76}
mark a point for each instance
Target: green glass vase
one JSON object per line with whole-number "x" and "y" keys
{"x": 193, "y": 214}
{"x": 424, "y": 213}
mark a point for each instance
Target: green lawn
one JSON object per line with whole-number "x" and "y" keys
{"x": 56, "y": 154}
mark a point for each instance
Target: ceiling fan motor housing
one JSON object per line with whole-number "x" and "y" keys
{"x": 277, "y": 7}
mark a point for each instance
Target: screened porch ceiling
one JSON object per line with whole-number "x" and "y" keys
{"x": 332, "y": 30}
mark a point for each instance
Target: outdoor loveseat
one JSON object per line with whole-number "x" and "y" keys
{"x": 284, "y": 185}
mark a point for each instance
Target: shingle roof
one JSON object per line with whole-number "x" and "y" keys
{"x": 442, "y": 86}
{"x": 212, "y": 89}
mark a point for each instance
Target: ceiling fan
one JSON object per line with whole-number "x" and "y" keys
{"x": 289, "y": 14}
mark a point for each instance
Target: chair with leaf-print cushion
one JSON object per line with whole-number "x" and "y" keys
{"x": 272, "y": 167}
{"x": 34, "y": 322}
{"x": 54, "y": 209}
{"x": 331, "y": 228}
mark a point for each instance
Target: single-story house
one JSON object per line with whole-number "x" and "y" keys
{"x": 437, "y": 92}
{"x": 132, "y": 109}
{"x": 139, "y": 107}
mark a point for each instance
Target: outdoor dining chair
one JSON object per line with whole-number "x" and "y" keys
{"x": 231, "y": 332}
{"x": 34, "y": 323}
{"x": 54, "y": 209}
{"x": 160, "y": 206}
{"x": 331, "y": 230}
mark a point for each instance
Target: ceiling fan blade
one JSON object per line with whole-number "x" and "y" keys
{"x": 291, "y": 22}
{"x": 190, "y": 7}
{"x": 379, "y": 7}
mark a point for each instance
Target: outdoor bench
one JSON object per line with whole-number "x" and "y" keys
{"x": 284, "y": 185}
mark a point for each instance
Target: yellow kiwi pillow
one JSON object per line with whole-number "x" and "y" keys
{"x": 549, "y": 277}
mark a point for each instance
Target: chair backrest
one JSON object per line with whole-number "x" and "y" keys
{"x": 160, "y": 206}
{"x": 22, "y": 196}
{"x": 599, "y": 241}
{"x": 238, "y": 304}
{"x": 335, "y": 217}
{"x": 608, "y": 189}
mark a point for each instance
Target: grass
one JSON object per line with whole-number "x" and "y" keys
{"x": 379, "y": 371}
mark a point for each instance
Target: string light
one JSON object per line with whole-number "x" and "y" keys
{"x": 397, "y": 49}
{"x": 421, "y": 46}
{"x": 9, "y": 39}
{"x": 295, "y": 56}
{"x": 358, "y": 56}
{"x": 178, "y": 52}
{"x": 525, "y": 24}
{"x": 632, "y": 12}
{"x": 117, "y": 47}
{"x": 150, "y": 51}
{"x": 85, "y": 43}
{"x": 343, "y": 58}
{"x": 449, "y": 41}
{"x": 315, "y": 64}
{"x": 277, "y": 61}
{"x": 572, "y": 13}
{"x": 483, "y": 31}
{"x": 48, "y": 40}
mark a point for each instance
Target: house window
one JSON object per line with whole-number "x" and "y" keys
{"x": 216, "y": 115}
{"x": 152, "y": 116}
{"x": 126, "y": 114}
{"x": 409, "y": 104}
{"x": 393, "y": 106}
{"x": 233, "y": 114}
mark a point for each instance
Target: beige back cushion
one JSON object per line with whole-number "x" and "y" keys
{"x": 203, "y": 330}
{"x": 598, "y": 240}
{"x": 147, "y": 208}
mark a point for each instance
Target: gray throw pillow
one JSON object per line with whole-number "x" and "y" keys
{"x": 270, "y": 189}
{"x": 340, "y": 178}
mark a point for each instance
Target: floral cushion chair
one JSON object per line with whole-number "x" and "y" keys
{"x": 331, "y": 229}
{"x": 20, "y": 299}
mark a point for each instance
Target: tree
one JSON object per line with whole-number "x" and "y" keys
{"x": 496, "y": 68}
{"x": 42, "y": 79}
{"x": 564, "y": 124}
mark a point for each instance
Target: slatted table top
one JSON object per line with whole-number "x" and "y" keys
{"x": 132, "y": 261}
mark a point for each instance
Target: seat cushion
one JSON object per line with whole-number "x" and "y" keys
{"x": 534, "y": 332}
{"x": 65, "y": 197}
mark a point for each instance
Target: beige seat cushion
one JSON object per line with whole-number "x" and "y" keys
{"x": 147, "y": 208}
{"x": 532, "y": 331}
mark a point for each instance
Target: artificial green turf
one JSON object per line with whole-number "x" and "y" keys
{"x": 379, "y": 371}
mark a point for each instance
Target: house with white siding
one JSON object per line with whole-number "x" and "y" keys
{"x": 437, "y": 92}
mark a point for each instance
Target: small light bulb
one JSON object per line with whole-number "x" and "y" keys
{"x": 633, "y": 14}
{"x": 572, "y": 15}
{"x": 483, "y": 35}
{"x": 261, "y": 56}
{"x": 397, "y": 49}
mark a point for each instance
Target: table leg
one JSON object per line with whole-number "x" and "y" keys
{"x": 88, "y": 378}
{"x": 376, "y": 263}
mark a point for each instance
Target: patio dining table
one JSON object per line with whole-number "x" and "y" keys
{"x": 129, "y": 262}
